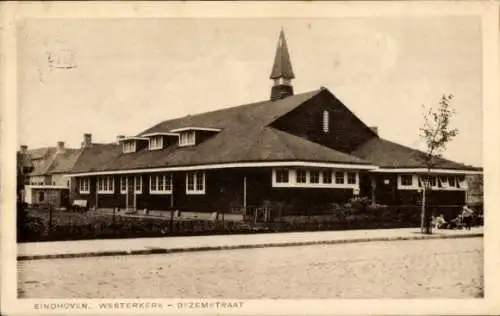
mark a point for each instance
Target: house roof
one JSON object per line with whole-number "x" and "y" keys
{"x": 64, "y": 161}
{"x": 246, "y": 136}
{"x": 259, "y": 113}
{"x": 42, "y": 159}
{"x": 282, "y": 66}
{"x": 387, "y": 154}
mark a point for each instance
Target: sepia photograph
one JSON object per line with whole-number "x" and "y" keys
{"x": 220, "y": 160}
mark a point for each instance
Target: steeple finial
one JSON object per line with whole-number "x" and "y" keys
{"x": 282, "y": 72}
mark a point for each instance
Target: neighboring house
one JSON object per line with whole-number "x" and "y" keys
{"x": 49, "y": 183}
{"x": 304, "y": 149}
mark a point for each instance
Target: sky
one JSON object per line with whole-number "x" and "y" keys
{"x": 114, "y": 77}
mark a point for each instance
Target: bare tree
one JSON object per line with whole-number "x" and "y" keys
{"x": 436, "y": 133}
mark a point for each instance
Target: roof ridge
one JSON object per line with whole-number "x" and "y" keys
{"x": 230, "y": 108}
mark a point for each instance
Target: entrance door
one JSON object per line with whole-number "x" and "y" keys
{"x": 130, "y": 202}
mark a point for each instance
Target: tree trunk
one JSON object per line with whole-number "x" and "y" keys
{"x": 425, "y": 226}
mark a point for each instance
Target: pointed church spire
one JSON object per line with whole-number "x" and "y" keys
{"x": 282, "y": 72}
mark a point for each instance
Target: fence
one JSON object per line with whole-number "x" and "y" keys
{"x": 50, "y": 225}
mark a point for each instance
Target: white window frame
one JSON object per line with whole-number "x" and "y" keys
{"x": 326, "y": 121}
{"x": 284, "y": 171}
{"x": 197, "y": 175}
{"x": 166, "y": 181}
{"x": 138, "y": 191}
{"x": 123, "y": 185}
{"x": 105, "y": 185}
{"x": 84, "y": 185}
{"x": 155, "y": 142}
{"x": 292, "y": 177}
{"x": 187, "y": 138}
{"x": 129, "y": 146}
{"x": 418, "y": 180}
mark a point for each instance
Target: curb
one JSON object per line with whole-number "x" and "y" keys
{"x": 148, "y": 251}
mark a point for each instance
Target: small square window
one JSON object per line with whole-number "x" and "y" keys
{"x": 406, "y": 180}
{"x": 282, "y": 176}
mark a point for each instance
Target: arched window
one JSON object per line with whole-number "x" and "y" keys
{"x": 326, "y": 121}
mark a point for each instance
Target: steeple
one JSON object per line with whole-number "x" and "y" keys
{"x": 282, "y": 72}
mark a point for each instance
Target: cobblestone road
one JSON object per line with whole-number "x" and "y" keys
{"x": 447, "y": 268}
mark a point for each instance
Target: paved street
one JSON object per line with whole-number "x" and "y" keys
{"x": 447, "y": 268}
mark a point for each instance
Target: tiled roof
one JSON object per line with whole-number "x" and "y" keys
{"x": 42, "y": 159}
{"x": 64, "y": 162}
{"x": 258, "y": 113}
{"x": 387, "y": 154}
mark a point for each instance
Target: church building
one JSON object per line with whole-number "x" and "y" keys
{"x": 305, "y": 150}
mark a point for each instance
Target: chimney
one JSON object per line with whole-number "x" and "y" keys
{"x": 87, "y": 140}
{"x": 374, "y": 129}
{"x": 119, "y": 138}
{"x": 23, "y": 149}
{"x": 60, "y": 146}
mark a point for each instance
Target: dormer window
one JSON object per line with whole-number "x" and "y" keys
{"x": 129, "y": 146}
{"x": 188, "y": 135}
{"x": 156, "y": 142}
{"x": 187, "y": 138}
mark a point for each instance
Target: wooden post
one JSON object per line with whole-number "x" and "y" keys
{"x": 50, "y": 218}
{"x": 245, "y": 192}
{"x": 373, "y": 184}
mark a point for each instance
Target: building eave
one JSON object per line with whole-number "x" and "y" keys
{"x": 425, "y": 170}
{"x": 310, "y": 164}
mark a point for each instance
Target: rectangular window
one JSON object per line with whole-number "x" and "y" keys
{"x": 105, "y": 184}
{"x": 195, "y": 183}
{"x": 187, "y": 138}
{"x": 339, "y": 178}
{"x": 326, "y": 121}
{"x": 137, "y": 184}
{"x": 351, "y": 178}
{"x": 84, "y": 185}
{"x": 301, "y": 176}
{"x": 129, "y": 146}
{"x": 407, "y": 180}
{"x": 433, "y": 181}
{"x": 160, "y": 184}
{"x": 152, "y": 184}
{"x": 314, "y": 176}
{"x": 452, "y": 182}
{"x": 156, "y": 142}
{"x": 282, "y": 175}
{"x": 41, "y": 196}
{"x": 327, "y": 177}
{"x": 123, "y": 185}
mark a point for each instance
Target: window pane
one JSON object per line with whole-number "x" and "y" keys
{"x": 327, "y": 177}
{"x": 199, "y": 181}
{"x": 339, "y": 177}
{"x": 160, "y": 183}
{"x": 301, "y": 176}
{"x": 190, "y": 181}
{"x": 314, "y": 176}
{"x": 282, "y": 175}
{"x": 351, "y": 178}
{"x": 406, "y": 180}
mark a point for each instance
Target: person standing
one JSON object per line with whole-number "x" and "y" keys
{"x": 467, "y": 214}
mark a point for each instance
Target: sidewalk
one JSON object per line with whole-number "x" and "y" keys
{"x": 139, "y": 246}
